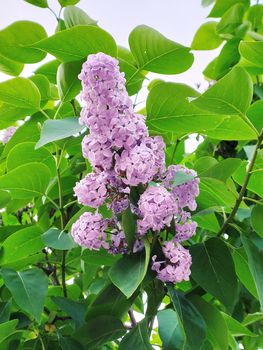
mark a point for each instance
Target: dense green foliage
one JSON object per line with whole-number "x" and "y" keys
{"x": 53, "y": 294}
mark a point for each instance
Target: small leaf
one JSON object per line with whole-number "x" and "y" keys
{"x": 54, "y": 238}
{"x": 137, "y": 338}
{"x": 181, "y": 177}
{"x": 256, "y": 219}
{"x": 54, "y": 130}
{"x": 170, "y": 329}
{"x": 213, "y": 269}
{"x": 75, "y": 309}
{"x": 206, "y": 37}
{"x": 77, "y": 43}
{"x": 155, "y": 53}
{"x": 221, "y": 7}
{"x": 231, "y": 19}
{"x": 252, "y": 51}
{"x": 74, "y": 16}
{"x": 99, "y": 258}
{"x": 10, "y": 67}
{"x": 16, "y": 39}
{"x": 39, "y": 3}
{"x": 67, "y": 80}
{"x": 28, "y": 288}
{"x": 65, "y": 3}
{"x": 128, "y": 272}
{"x": 236, "y": 328}
{"x": 129, "y": 226}
{"x": 7, "y": 329}
{"x": 49, "y": 70}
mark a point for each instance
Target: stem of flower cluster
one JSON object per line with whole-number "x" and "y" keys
{"x": 243, "y": 188}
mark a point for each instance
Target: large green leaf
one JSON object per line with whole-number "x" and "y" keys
{"x": 74, "y": 16}
{"x": 67, "y": 79}
{"x": 206, "y": 37}
{"x": 6, "y": 329}
{"x": 256, "y": 218}
{"x": 216, "y": 325}
{"x": 54, "y": 130}
{"x": 49, "y": 70}
{"x": 243, "y": 271}
{"x": 10, "y": 114}
{"x": 155, "y": 53}
{"x": 20, "y": 245}
{"x": 213, "y": 269}
{"x": 76, "y": 43}
{"x": 99, "y": 258}
{"x": 254, "y": 114}
{"x": 192, "y": 321}
{"x": 28, "y": 288}
{"x": 168, "y": 109}
{"x": 20, "y": 92}
{"x": 137, "y": 338}
{"x": 39, "y": 3}
{"x": 170, "y": 329}
{"x": 128, "y": 272}
{"x": 231, "y": 19}
{"x": 252, "y": 51}
{"x": 25, "y": 152}
{"x": 54, "y": 238}
{"x": 231, "y": 95}
{"x": 5, "y": 197}
{"x": 222, "y": 170}
{"x": 16, "y": 39}
{"x": 221, "y": 6}
{"x": 255, "y": 263}
{"x": 10, "y": 67}
{"x": 236, "y": 328}
{"x": 26, "y": 181}
{"x": 100, "y": 330}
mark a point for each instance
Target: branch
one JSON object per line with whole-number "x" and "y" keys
{"x": 132, "y": 318}
{"x": 243, "y": 188}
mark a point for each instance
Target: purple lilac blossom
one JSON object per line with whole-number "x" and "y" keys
{"x": 176, "y": 267}
{"x": 89, "y": 231}
{"x": 92, "y": 190}
{"x": 157, "y": 209}
{"x": 185, "y": 193}
{"x": 9, "y": 132}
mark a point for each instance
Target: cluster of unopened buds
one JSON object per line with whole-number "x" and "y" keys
{"x": 123, "y": 157}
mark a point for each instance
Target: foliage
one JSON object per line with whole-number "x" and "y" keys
{"x": 55, "y": 295}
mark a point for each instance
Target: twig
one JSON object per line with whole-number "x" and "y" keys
{"x": 243, "y": 188}
{"x": 132, "y": 318}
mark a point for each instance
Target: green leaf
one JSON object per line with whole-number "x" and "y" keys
{"x": 93, "y": 335}
{"x": 255, "y": 263}
{"x": 181, "y": 177}
{"x": 192, "y": 321}
{"x": 222, "y": 170}
{"x": 65, "y": 3}
{"x": 77, "y": 43}
{"x": 155, "y": 53}
{"x": 5, "y": 311}
{"x": 231, "y": 19}
{"x": 75, "y": 309}
{"x": 137, "y": 338}
{"x": 54, "y": 238}
{"x": 256, "y": 219}
{"x": 5, "y": 197}
{"x": 74, "y": 16}
{"x": 16, "y": 39}
{"x": 99, "y": 258}
{"x": 221, "y": 6}
{"x": 20, "y": 92}
{"x": 252, "y": 51}
{"x": 26, "y": 181}
{"x": 206, "y": 37}
{"x": 24, "y": 153}
{"x": 230, "y": 95}
{"x": 128, "y": 220}
{"x": 237, "y": 329}
{"x": 53, "y": 130}
{"x": 243, "y": 271}
{"x": 214, "y": 193}
{"x": 168, "y": 109}
{"x": 28, "y": 288}
{"x": 20, "y": 245}
{"x": 43, "y": 85}
{"x": 213, "y": 269}
{"x": 251, "y": 318}
{"x": 7, "y": 329}
{"x": 10, "y": 67}
{"x": 39, "y": 3}
{"x": 170, "y": 329}
{"x": 254, "y": 114}
{"x": 49, "y": 70}
{"x": 128, "y": 272}
{"x": 216, "y": 325}
{"x": 207, "y": 220}
{"x": 67, "y": 80}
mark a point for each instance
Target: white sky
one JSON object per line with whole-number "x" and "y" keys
{"x": 176, "y": 19}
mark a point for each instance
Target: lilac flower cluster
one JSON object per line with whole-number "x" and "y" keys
{"x": 123, "y": 155}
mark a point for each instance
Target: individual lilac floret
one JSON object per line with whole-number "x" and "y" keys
{"x": 92, "y": 190}
{"x": 99, "y": 154}
{"x": 9, "y": 132}
{"x": 185, "y": 193}
{"x": 157, "y": 208}
{"x": 89, "y": 231}
{"x": 118, "y": 243}
{"x": 176, "y": 267}
{"x": 136, "y": 165}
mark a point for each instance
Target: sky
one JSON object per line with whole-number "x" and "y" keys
{"x": 176, "y": 19}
